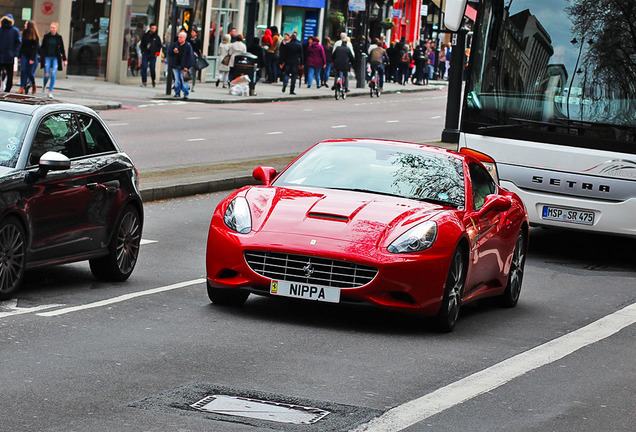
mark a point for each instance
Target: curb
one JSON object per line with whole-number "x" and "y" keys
{"x": 195, "y": 188}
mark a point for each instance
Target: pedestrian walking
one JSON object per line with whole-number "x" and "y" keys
{"x": 237, "y": 47}
{"x": 150, "y": 47}
{"x": 197, "y": 51}
{"x": 272, "y": 54}
{"x": 180, "y": 60}
{"x": 224, "y": 65}
{"x": 326, "y": 70}
{"x": 10, "y": 42}
{"x": 291, "y": 58}
{"x": 52, "y": 56}
{"x": 316, "y": 60}
{"x": 29, "y": 57}
{"x": 404, "y": 63}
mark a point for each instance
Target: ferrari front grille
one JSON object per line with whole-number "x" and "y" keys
{"x": 309, "y": 269}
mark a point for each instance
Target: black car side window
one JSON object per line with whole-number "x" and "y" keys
{"x": 58, "y": 133}
{"x": 482, "y": 183}
{"x": 97, "y": 139}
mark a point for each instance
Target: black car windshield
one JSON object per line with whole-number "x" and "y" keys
{"x": 413, "y": 173}
{"x": 12, "y": 129}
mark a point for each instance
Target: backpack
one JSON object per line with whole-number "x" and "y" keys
{"x": 405, "y": 58}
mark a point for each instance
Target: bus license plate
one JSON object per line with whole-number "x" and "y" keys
{"x": 305, "y": 291}
{"x": 568, "y": 215}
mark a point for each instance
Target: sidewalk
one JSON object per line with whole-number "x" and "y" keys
{"x": 102, "y": 95}
{"x": 180, "y": 182}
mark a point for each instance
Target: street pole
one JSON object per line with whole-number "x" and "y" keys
{"x": 455, "y": 82}
{"x": 173, "y": 25}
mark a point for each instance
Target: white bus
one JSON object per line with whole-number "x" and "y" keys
{"x": 551, "y": 97}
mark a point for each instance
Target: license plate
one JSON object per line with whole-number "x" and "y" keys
{"x": 568, "y": 215}
{"x": 305, "y": 291}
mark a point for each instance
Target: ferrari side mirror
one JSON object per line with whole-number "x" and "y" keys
{"x": 264, "y": 174}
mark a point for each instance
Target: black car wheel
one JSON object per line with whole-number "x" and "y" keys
{"x": 227, "y": 296}
{"x": 510, "y": 296}
{"x": 451, "y": 302}
{"x": 123, "y": 249}
{"x": 12, "y": 249}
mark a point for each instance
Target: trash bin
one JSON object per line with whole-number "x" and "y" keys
{"x": 245, "y": 64}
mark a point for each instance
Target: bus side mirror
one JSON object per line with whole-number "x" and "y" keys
{"x": 454, "y": 14}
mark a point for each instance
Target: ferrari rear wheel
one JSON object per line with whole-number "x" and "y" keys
{"x": 451, "y": 302}
{"x": 227, "y": 296}
{"x": 510, "y": 296}
{"x": 12, "y": 256}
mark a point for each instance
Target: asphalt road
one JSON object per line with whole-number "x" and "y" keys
{"x": 80, "y": 355}
{"x": 171, "y": 134}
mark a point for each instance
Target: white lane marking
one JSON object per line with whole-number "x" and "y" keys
{"x": 13, "y": 309}
{"x": 194, "y": 118}
{"x": 417, "y": 410}
{"x": 120, "y": 299}
{"x": 274, "y": 133}
{"x": 338, "y": 126}
{"x": 436, "y": 117}
{"x": 308, "y": 109}
{"x": 392, "y": 121}
{"x": 145, "y": 241}
{"x": 258, "y": 113}
{"x": 196, "y": 139}
{"x": 118, "y": 124}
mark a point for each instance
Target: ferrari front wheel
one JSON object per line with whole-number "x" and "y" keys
{"x": 451, "y": 302}
{"x": 227, "y": 296}
{"x": 510, "y": 296}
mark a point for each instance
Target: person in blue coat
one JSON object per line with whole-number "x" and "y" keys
{"x": 10, "y": 43}
{"x": 180, "y": 59}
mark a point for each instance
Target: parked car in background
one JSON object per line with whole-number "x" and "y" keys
{"x": 404, "y": 226}
{"x": 67, "y": 192}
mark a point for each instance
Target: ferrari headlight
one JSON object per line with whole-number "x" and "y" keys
{"x": 237, "y": 216}
{"x": 416, "y": 239}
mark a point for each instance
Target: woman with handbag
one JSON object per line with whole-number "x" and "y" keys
{"x": 224, "y": 64}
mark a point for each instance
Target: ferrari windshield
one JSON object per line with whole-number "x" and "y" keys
{"x": 555, "y": 67}
{"x": 386, "y": 169}
{"x": 12, "y": 129}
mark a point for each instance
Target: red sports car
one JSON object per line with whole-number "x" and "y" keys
{"x": 405, "y": 226}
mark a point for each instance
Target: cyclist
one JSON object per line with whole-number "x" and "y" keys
{"x": 342, "y": 60}
{"x": 376, "y": 60}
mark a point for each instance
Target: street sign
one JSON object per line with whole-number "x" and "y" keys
{"x": 357, "y": 5}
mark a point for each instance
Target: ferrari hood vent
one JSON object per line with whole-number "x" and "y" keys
{"x": 328, "y": 216}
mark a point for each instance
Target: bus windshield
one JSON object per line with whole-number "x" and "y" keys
{"x": 555, "y": 71}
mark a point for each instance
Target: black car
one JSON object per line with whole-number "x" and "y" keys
{"x": 67, "y": 192}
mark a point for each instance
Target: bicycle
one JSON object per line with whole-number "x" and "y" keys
{"x": 339, "y": 88}
{"x": 374, "y": 87}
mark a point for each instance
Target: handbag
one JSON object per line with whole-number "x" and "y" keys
{"x": 226, "y": 60}
{"x": 186, "y": 75}
{"x": 201, "y": 63}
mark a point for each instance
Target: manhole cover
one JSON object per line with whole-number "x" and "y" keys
{"x": 260, "y": 409}
{"x": 276, "y": 412}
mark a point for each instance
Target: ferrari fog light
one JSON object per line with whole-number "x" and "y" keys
{"x": 416, "y": 239}
{"x": 237, "y": 216}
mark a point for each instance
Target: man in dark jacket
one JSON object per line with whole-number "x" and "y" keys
{"x": 10, "y": 42}
{"x": 180, "y": 59}
{"x": 342, "y": 60}
{"x": 150, "y": 46}
{"x": 290, "y": 58}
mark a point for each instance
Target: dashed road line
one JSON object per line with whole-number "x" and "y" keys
{"x": 436, "y": 117}
{"x": 338, "y": 126}
{"x": 274, "y": 133}
{"x": 120, "y": 299}
{"x": 11, "y": 308}
{"x": 392, "y": 121}
{"x": 194, "y": 118}
{"x": 196, "y": 139}
{"x": 417, "y": 410}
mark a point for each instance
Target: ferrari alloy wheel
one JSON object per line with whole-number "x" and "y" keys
{"x": 451, "y": 302}
{"x": 510, "y": 296}
{"x": 227, "y": 296}
{"x": 12, "y": 248}
{"x": 123, "y": 250}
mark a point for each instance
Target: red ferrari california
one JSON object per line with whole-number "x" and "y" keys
{"x": 404, "y": 226}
